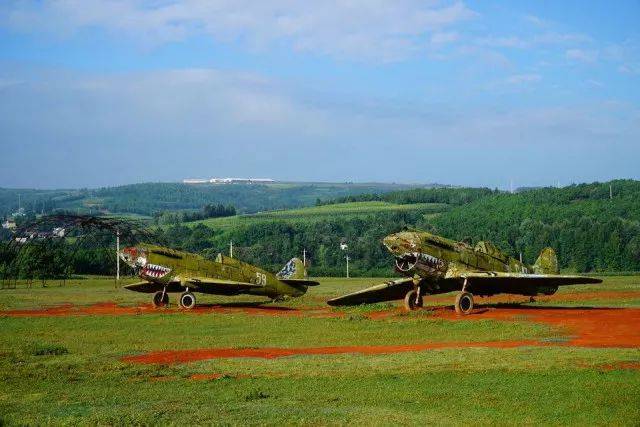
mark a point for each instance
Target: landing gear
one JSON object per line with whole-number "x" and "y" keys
{"x": 160, "y": 299}
{"x": 187, "y": 300}
{"x": 412, "y": 300}
{"x": 464, "y": 303}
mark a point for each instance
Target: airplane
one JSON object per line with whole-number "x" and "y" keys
{"x": 165, "y": 271}
{"x": 436, "y": 265}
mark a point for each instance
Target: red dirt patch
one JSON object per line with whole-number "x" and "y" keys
{"x": 200, "y": 377}
{"x": 185, "y": 356}
{"x": 588, "y": 327}
{"x": 562, "y": 296}
{"x": 102, "y": 308}
{"x": 595, "y": 327}
{"x": 215, "y": 376}
{"x": 112, "y": 309}
{"x": 631, "y": 365}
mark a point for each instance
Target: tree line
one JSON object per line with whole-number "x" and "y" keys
{"x": 591, "y": 228}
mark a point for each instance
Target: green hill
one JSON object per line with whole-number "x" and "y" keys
{"x": 590, "y": 231}
{"x": 148, "y": 198}
{"x": 319, "y": 213}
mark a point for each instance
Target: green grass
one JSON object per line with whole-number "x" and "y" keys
{"x": 318, "y": 213}
{"x": 68, "y": 370}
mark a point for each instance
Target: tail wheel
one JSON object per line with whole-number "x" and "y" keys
{"x": 410, "y": 302}
{"x": 464, "y": 303}
{"x": 187, "y": 300}
{"x": 160, "y": 299}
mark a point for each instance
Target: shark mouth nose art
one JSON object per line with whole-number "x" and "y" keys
{"x": 155, "y": 271}
{"x": 431, "y": 261}
{"x": 408, "y": 261}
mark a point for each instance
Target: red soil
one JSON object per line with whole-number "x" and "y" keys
{"x": 564, "y": 297}
{"x": 586, "y": 327}
{"x": 113, "y": 309}
{"x": 206, "y": 376}
{"x": 102, "y": 308}
{"x": 185, "y": 356}
{"x": 635, "y": 365}
{"x": 595, "y": 327}
{"x": 215, "y": 376}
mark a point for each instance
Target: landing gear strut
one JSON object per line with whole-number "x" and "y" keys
{"x": 412, "y": 300}
{"x": 160, "y": 299}
{"x": 187, "y": 300}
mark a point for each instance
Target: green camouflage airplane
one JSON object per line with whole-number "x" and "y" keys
{"x": 435, "y": 265}
{"x": 166, "y": 270}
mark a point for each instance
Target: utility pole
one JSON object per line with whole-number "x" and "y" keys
{"x": 118, "y": 255}
{"x": 610, "y": 192}
{"x": 304, "y": 257}
{"x": 347, "y": 258}
{"x": 231, "y": 249}
{"x": 344, "y": 247}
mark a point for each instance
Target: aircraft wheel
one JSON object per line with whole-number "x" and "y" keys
{"x": 187, "y": 300}
{"x": 464, "y": 303}
{"x": 160, "y": 300}
{"x": 410, "y": 301}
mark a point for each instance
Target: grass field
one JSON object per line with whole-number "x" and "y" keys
{"x": 318, "y": 213}
{"x": 67, "y": 368}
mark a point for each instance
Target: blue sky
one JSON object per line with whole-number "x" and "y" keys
{"x": 96, "y": 93}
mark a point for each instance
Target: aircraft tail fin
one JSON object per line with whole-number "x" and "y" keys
{"x": 294, "y": 269}
{"x": 547, "y": 262}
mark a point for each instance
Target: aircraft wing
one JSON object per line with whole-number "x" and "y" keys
{"x": 221, "y": 286}
{"x": 150, "y": 287}
{"x": 388, "y": 291}
{"x": 491, "y": 278}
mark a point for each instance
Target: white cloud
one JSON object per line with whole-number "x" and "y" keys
{"x": 519, "y": 79}
{"x": 535, "y": 20}
{"x": 550, "y": 38}
{"x": 164, "y": 125}
{"x": 544, "y": 39}
{"x": 510, "y": 42}
{"x": 582, "y": 55}
{"x": 380, "y": 30}
{"x": 442, "y": 38}
{"x": 629, "y": 69}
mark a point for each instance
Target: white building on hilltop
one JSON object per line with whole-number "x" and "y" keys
{"x": 229, "y": 181}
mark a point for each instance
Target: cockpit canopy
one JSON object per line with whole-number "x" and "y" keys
{"x": 490, "y": 249}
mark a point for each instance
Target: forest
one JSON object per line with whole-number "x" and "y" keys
{"x": 593, "y": 227}
{"x": 147, "y": 199}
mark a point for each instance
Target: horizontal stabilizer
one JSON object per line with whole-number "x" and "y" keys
{"x": 295, "y": 282}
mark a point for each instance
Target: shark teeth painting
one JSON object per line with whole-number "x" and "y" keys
{"x": 155, "y": 271}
